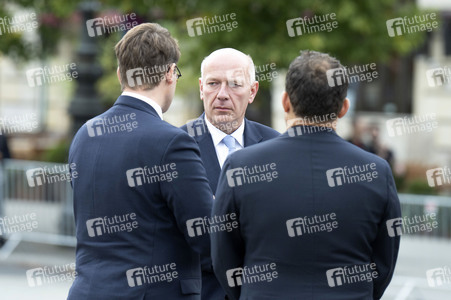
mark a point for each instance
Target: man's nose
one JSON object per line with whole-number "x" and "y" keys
{"x": 223, "y": 93}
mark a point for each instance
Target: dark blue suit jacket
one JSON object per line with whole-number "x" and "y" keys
{"x": 254, "y": 133}
{"x": 285, "y": 217}
{"x": 117, "y": 258}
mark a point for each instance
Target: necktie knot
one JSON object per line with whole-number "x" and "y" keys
{"x": 229, "y": 141}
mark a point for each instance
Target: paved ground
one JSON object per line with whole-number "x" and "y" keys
{"x": 13, "y": 278}
{"x": 409, "y": 282}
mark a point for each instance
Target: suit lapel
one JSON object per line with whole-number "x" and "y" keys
{"x": 208, "y": 151}
{"x": 251, "y": 134}
{"x": 208, "y": 156}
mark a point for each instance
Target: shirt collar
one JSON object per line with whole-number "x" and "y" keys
{"x": 147, "y": 100}
{"x": 217, "y": 135}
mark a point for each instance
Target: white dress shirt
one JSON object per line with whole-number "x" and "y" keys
{"x": 147, "y": 100}
{"x": 217, "y": 135}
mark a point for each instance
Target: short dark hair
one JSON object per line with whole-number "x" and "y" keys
{"x": 308, "y": 88}
{"x": 148, "y": 46}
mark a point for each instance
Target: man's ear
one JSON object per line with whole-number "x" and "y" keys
{"x": 170, "y": 75}
{"x": 344, "y": 108}
{"x": 286, "y": 104}
{"x": 254, "y": 90}
{"x": 118, "y": 72}
{"x": 201, "y": 89}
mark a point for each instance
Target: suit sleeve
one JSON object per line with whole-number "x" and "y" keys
{"x": 189, "y": 196}
{"x": 385, "y": 247}
{"x": 227, "y": 248}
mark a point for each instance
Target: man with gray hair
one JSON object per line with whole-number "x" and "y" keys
{"x": 227, "y": 87}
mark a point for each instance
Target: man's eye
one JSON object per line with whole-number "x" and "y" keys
{"x": 212, "y": 83}
{"x": 235, "y": 84}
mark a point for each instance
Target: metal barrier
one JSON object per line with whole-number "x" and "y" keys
{"x": 40, "y": 192}
{"x": 37, "y": 204}
{"x": 422, "y": 207}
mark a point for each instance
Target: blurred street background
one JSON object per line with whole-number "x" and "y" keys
{"x": 58, "y": 70}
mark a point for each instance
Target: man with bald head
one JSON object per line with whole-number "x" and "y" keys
{"x": 227, "y": 86}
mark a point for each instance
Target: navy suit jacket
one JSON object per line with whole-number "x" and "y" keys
{"x": 131, "y": 209}
{"x": 284, "y": 220}
{"x": 254, "y": 133}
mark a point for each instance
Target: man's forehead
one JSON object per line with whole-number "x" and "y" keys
{"x": 227, "y": 73}
{"x": 225, "y": 64}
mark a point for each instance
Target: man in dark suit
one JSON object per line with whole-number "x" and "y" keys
{"x": 227, "y": 87}
{"x": 317, "y": 215}
{"x": 139, "y": 182}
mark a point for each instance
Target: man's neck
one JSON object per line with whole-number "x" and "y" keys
{"x": 153, "y": 94}
{"x": 227, "y": 127}
{"x": 292, "y": 121}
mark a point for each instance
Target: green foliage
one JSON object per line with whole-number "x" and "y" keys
{"x": 419, "y": 186}
{"x": 361, "y": 36}
{"x": 58, "y": 153}
{"x": 108, "y": 84}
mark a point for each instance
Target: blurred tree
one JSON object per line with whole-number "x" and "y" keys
{"x": 361, "y": 36}
{"x": 51, "y": 16}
